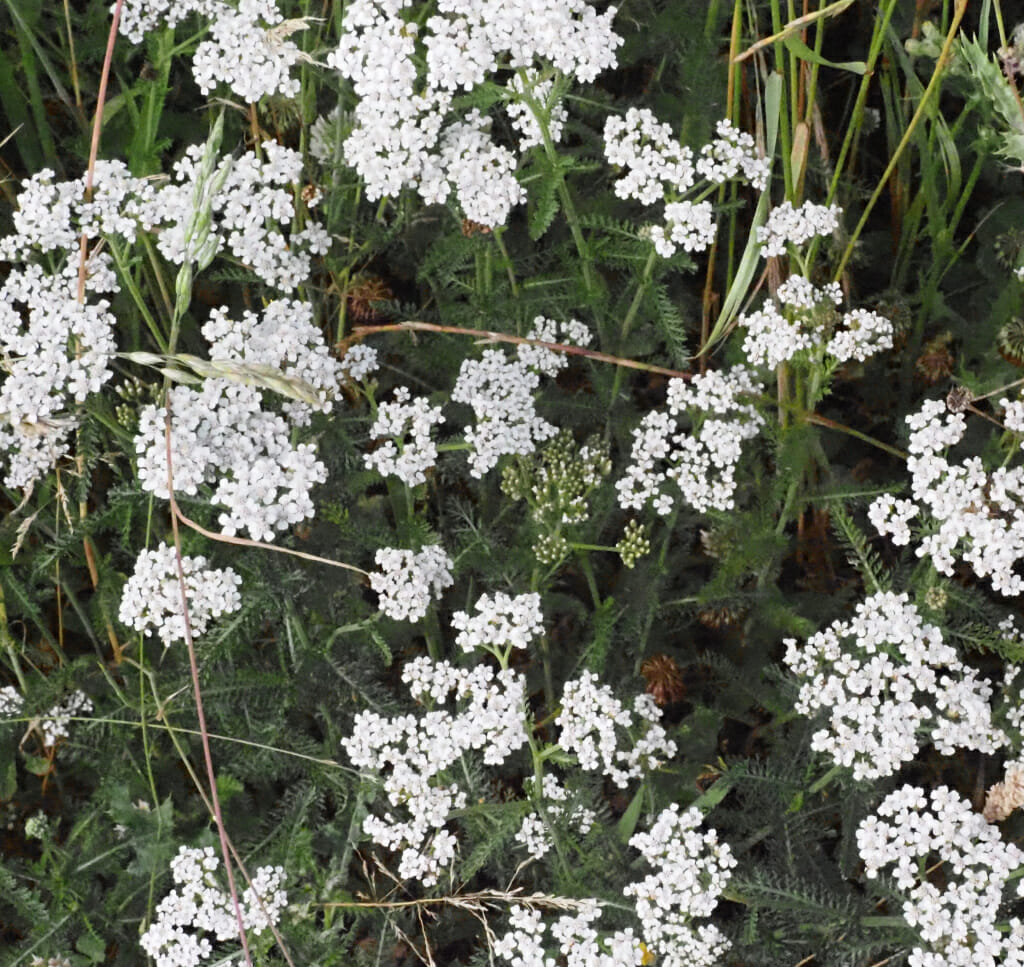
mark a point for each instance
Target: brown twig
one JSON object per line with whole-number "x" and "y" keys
{"x": 485, "y": 335}
{"x": 83, "y": 259}
{"x": 178, "y": 514}
{"x": 194, "y": 667}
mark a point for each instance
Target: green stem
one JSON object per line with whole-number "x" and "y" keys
{"x": 929, "y": 93}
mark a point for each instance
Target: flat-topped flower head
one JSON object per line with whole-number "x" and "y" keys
{"x": 883, "y": 681}
{"x": 151, "y": 600}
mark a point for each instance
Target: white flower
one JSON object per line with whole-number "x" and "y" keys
{"x": 359, "y": 362}
{"x": 891, "y": 517}
{"x": 252, "y": 202}
{"x": 691, "y": 870}
{"x": 910, "y": 833}
{"x": 248, "y": 47}
{"x": 407, "y": 580}
{"x": 405, "y": 74}
{"x": 411, "y": 452}
{"x": 653, "y": 159}
{"x": 501, "y": 622}
{"x": 534, "y": 833}
{"x": 549, "y": 362}
{"x": 151, "y": 600}
{"x": 866, "y": 333}
{"x": 687, "y": 225}
{"x": 787, "y": 225}
{"x": 522, "y": 117}
{"x": 731, "y": 154}
{"x": 883, "y": 679}
{"x": 976, "y": 515}
{"x": 771, "y": 338}
{"x": 588, "y": 721}
{"x": 221, "y": 435}
{"x": 413, "y": 752}
{"x": 701, "y": 461}
{"x": 176, "y": 938}
{"x": 56, "y": 343}
{"x": 1013, "y": 416}
{"x": 500, "y": 392}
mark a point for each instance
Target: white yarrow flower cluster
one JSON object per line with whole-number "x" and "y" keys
{"x": 702, "y": 460}
{"x": 405, "y": 75}
{"x": 481, "y": 172}
{"x": 524, "y": 120}
{"x": 151, "y": 600}
{"x": 199, "y": 906}
{"x": 223, "y": 436}
{"x": 248, "y": 47}
{"x": 731, "y": 155}
{"x": 595, "y": 727}
{"x": 884, "y": 680}
{"x": 410, "y": 452}
{"x": 284, "y": 340}
{"x": 655, "y": 162}
{"x": 535, "y": 833}
{"x": 53, "y": 724}
{"x": 549, "y": 362}
{"x": 413, "y": 752}
{"x": 252, "y": 200}
{"x": 787, "y": 225}
{"x": 804, "y": 317}
{"x": 359, "y": 362}
{"x": 502, "y": 622}
{"x": 407, "y": 581}
{"x": 864, "y": 333}
{"x": 500, "y": 391}
{"x": 771, "y": 338}
{"x": 976, "y": 516}
{"x": 659, "y": 168}
{"x": 691, "y": 870}
{"x": 56, "y": 350}
{"x": 578, "y": 942}
{"x": 11, "y": 702}
{"x": 911, "y": 832}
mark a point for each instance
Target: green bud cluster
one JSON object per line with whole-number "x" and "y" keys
{"x": 634, "y": 544}
{"x": 556, "y": 485}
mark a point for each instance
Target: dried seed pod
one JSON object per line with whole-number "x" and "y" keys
{"x": 1010, "y": 341}
{"x": 935, "y": 363}
{"x": 664, "y": 680}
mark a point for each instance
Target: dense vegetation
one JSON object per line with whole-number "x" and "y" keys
{"x": 511, "y": 483}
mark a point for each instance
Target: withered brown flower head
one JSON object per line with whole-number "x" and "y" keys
{"x": 664, "y": 680}
{"x": 719, "y": 617}
{"x": 362, "y": 293}
{"x": 958, "y": 399}
{"x": 936, "y": 360}
{"x": 471, "y": 228}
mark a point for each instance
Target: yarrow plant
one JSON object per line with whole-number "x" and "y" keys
{"x": 152, "y": 598}
{"x": 199, "y": 906}
{"x": 487, "y": 468}
{"x": 957, "y": 921}
{"x": 883, "y": 680}
{"x": 701, "y": 461}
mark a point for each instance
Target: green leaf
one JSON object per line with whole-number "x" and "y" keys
{"x": 228, "y": 787}
{"x": 37, "y": 765}
{"x": 92, "y": 947}
{"x": 629, "y": 819}
{"x": 8, "y": 781}
{"x": 798, "y": 47}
